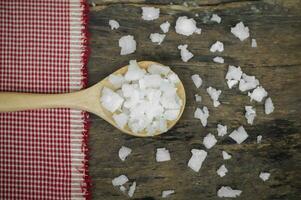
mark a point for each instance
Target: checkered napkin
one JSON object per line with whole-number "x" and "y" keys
{"x": 43, "y": 49}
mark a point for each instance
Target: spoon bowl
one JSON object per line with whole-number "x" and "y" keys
{"x": 87, "y": 99}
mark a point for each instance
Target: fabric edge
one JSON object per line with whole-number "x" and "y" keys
{"x": 80, "y": 179}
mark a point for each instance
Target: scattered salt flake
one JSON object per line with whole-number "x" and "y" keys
{"x": 226, "y": 191}
{"x": 162, "y": 155}
{"x": 157, "y": 38}
{"x": 217, "y": 46}
{"x": 221, "y": 130}
{"x": 116, "y": 80}
{"x": 209, "y": 141}
{"x": 226, "y": 156}
{"x": 186, "y": 26}
{"x": 233, "y": 75}
{"x": 185, "y": 53}
{"x": 120, "y": 180}
{"x": 197, "y": 80}
{"x": 264, "y": 176}
{"x": 268, "y": 106}
{"x": 219, "y": 59}
{"x": 110, "y": 100}
{"x": 214, "y": 95}
{"x": 114, "y": 24}
{"x": 258, "y": 94}
{"x": 122, "y": 188}
{"x": 254, "y": 43}
{"x": 250, "y": 114}
{"x": 196, "y": 14}
{"x": 127, "y": 44}
{"x": 120, "y": 119}
{"x": 197, "y": 159}
{"x": 202, "y": 114}
{"x": 165, "y": 27}
{"x": 150, "y": 13}
{"x": 216, "y": 18}
{"x": 239, "y": 135}
{"x": 259, "y": 138}
{"x": 198, "y": 98}
{"x": 247, "y": 83}
{"x": 132, "y": 189}
{"x": 167, "y": 193}
{"x": 240, "y": 31}
{"x": 222, "y": 171}
{"x": 124, "y": 152}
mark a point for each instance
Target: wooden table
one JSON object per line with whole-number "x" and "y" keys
{"x": 276, "y": 25}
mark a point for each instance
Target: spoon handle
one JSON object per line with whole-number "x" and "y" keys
{"x": 15, "y": 101}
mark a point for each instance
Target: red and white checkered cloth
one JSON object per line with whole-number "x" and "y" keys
{"x": 43, "y": 49}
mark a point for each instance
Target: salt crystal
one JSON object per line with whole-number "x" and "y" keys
{"x": 120, "y": 180}
{"x": 132, "y": 189}
{"x": 116, "y": 80}
{"x": 218, "y": 59}
{"x": 250, "y": 114}
{"x": 134, "y": 72}
{"x": 110, "y": 100}
{"x": 239, "y": 135}
{"x": 226, "y": 191}
{"x": 247, "y": 83}
{"x": 162, "y": 155}
{"x": 186, "y": 26}
{"x": 233, "y": 75}
{"x": 217, "y": 46}
{"x": 198, "y": 98}
{"x": 226, "y": 156}
{"x": 264, "y": 176}
{"x": 216, "y": 18}
{"x": 171, "y": 114}
{"x": 185, "y": 53}
{"x": 240, "y": 31}
{"x": 258, "y": 94}
{"x": 197, "y": 159}
{"x": 165, "y": 27}
{"x": 197, "y": 80}
{"x": 127, "y": 44}
{"x": 221, "y": 130}
{"x": 114, "y": 24}
{"x": 268, "y": 106}
{"x": 124, "y": 152}
{"x": 209, "y": 141}
{"x": 150, "y": 13}
{"x": 222, "y": 171}
{"x": 173, "y": 78}
{"x": 202, "y": 114}
{"x": 214, "y": 95}
{"x": 120, "y": 119}
{"x": 254, "y": 43}
{"x": 122, "y": 188}
{"x": 259, "y": 138}
{"x": 157, "y": 38}
{"x": 167, "y": 193}
{"x": 158, "y": 69}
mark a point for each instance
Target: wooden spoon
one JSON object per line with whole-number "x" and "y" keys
{"x": 87, "y": 99}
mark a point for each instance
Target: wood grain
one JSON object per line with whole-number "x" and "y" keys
{"x": 276, "y": 63}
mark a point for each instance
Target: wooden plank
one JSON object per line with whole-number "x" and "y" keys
{"x": 276, "y": 63}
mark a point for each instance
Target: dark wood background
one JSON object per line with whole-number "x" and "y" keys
{"x": 276, "y": 25}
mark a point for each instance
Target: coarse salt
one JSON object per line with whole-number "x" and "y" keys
{"x": 185, "y": 53}
{"x": 113, "y": 24}
{"x": 197, "y": 159}
{"x": 239, "y": 135}
{"x": 209, "y": 141}
{"x": 240, "y": 31}
{"x": 202, "y": 114}
{"x": 127, "y": 44}
{"x": 150, "y": 13}
{"x": 197, "y": 80}
{"x": 186, "y": 26}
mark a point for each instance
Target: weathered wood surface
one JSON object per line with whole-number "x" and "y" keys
{"x": 276, "y": 63}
